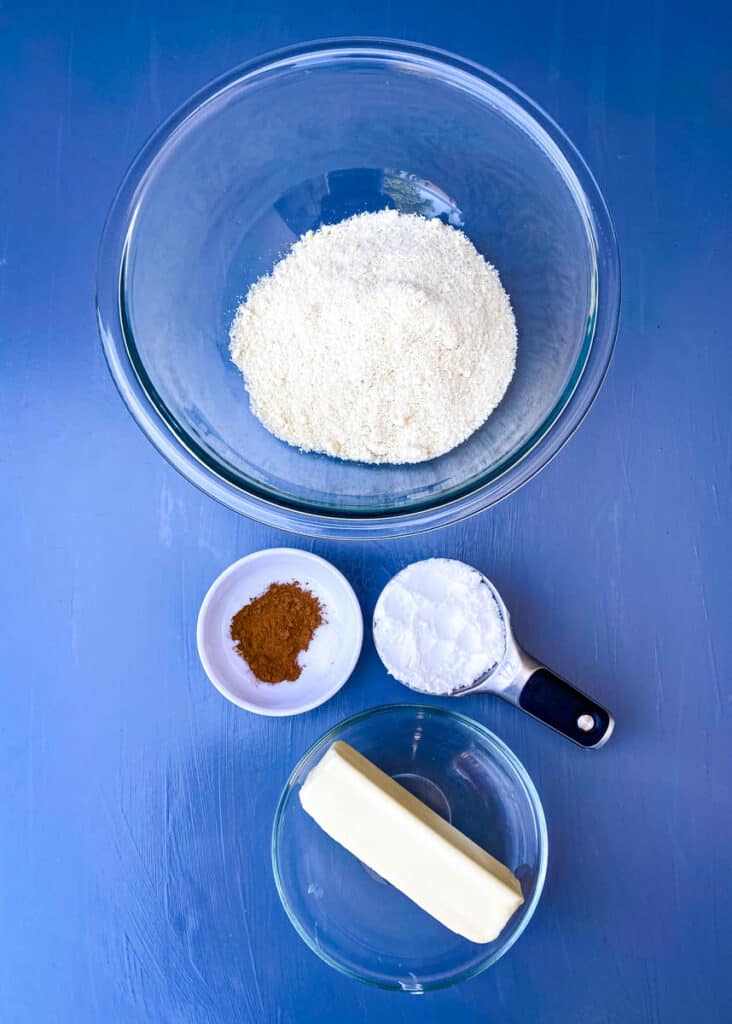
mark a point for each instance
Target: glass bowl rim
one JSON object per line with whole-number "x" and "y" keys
{"x": 139, "y": 394}
{"x": 504, "y": 753}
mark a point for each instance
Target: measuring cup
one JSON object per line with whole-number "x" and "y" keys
{"x": 522, "y": 680}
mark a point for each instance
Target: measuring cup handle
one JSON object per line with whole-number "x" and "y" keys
{"x": 558, "y": 704}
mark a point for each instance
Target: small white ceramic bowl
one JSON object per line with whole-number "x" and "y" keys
{"x": 333, "y": 652}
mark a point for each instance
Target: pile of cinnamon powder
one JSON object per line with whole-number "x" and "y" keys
{"x": 274, "y": 629}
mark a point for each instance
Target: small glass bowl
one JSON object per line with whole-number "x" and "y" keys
{"x": 309, "y": 136}
{"x": 352, "y": 918}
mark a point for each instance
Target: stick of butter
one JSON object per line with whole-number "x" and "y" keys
{"x": 409, "y": 845}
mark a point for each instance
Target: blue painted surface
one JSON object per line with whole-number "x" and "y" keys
{"x": 135, "y": 803}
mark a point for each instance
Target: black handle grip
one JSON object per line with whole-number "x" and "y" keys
{"x": 556, "y": 703}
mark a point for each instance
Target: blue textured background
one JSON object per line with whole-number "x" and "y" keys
{"x": 135, "y": 803}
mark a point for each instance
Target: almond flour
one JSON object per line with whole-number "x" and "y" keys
{"x": 384, "y": 338}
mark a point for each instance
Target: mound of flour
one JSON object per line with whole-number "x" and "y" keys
{"x": 384, "y": 338}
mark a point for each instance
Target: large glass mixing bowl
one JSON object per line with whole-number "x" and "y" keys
{"x": 309, "y": 136}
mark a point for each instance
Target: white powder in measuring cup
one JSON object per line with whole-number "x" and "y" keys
{"x": 384, "y": 338}
{"x": 437, "y": 626}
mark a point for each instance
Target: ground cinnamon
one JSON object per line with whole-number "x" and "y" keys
{"x": 273, "y": 629}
